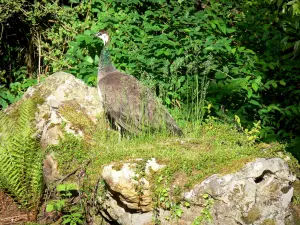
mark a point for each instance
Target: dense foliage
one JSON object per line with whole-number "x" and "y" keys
{"x": 241, "y": 56}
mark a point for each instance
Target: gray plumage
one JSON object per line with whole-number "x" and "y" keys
{"x": 127, "y": 102}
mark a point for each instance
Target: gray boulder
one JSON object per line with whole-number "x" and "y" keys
{"x": 65, "y": 103}
{"x": 260, "y": 193}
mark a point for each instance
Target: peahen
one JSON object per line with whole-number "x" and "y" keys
{"x": 129, "y": 104}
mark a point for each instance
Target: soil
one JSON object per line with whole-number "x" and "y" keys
{"x": 10, "y": 211}
{"x": 296, "y": 214}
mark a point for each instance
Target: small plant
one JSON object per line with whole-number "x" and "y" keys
{"x": 74, "y": 218}
{"x": 166, "y": 201}
{"x": 253, "y": 133}
{"x": 205, "y": 213}
{"x": 176, "y": 210}
{"x": 140, "y": 173}
{"x": 55, "y": 205}
{"x": 296, "y": 199}
{"x": 72, "y": 215}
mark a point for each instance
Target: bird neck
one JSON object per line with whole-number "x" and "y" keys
{"x": 105, "y": 63}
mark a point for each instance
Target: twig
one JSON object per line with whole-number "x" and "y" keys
{"x": 74, "y": 171}
{"x": 39, "y": 49}
{"x": 95, "y": 192}
{"x": 14, "y": 219}
{"x": 68, "y": 175}
{"x": 1, "y": 31}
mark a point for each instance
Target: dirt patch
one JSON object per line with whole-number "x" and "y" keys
{"x": 11, "y": 213}
{"x": 296, "y": 214}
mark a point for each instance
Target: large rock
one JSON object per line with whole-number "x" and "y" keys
{"x": 260, "y": 193}
{"x": 129, "y": 196}
{"x": 65, "y": 103}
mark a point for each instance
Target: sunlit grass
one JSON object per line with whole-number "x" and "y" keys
{"x": 215, "y": 147}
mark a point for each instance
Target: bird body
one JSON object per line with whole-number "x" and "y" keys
{"x": 130, "y": 104}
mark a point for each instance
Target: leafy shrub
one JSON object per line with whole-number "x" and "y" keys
{"x": 16, "y": 88}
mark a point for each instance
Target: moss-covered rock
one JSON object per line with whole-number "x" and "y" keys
{"x": 64, "y": 104}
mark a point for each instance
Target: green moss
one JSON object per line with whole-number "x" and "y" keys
{"x": 285, "y": 189}
{"x": 74, "y": 113}
{"x": 296, "y": 197}
{"x": 37, "y": 98}
{"x": 71, "y": 152}
{"x": 296, "y": 186}
{"x": 268, "y": 222}
{"x": 273, "y": 187}
{"x": 117, "y": 166}
{"x": 196, "y": 155}
{"x": 46, "y": 116}
{"x": 252, "y": 216}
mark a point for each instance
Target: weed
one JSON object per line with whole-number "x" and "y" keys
{"x": 73, "y": 218}
{"x": 72, "y": 214}
{"x": 205, "y": 212}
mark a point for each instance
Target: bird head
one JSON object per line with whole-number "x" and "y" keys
{"x": 103, "y": 35}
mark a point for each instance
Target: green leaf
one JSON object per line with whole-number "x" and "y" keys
{"x": 223, "y": 28}
{"x": 168, "y": 101}
{"x": 231, "y": 30}
{"x": 66, "y": 187}
{"x": 297, "y": 46}
{"x": 279, "y": 3}
{"x": 10, "y": 97}
{"x": 213, "y": 25}
{"x": 282, "y": 82}
{"x": 187, "y": 204}
{"x": 258, "y": 80}
{"x": 50, "y": 208}
{"x": 233, "y": 50}
{"x": 254, "y": 102}
{"x": 220, "y": 75}
{"x": 273, "y": 83}
{"x": 77, "y": 215}
{"x": 294, "y": 109}
{"x": 178, "y": 213}
{"x": 68, "y": 220}
{"x": 96, "y": 60}
{"x": 89, "y": 59}
{"x": 250, "y": 92}
{"x": 287, "y": 112}
{"x": 225, "y": 69}
{"x": 254, "y": 86}
{"x": 209, "y": 48}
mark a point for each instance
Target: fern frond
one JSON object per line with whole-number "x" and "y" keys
{"x": 21, "y": 156}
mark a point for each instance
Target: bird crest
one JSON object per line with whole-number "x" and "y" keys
{"x": 103, "y": 35}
